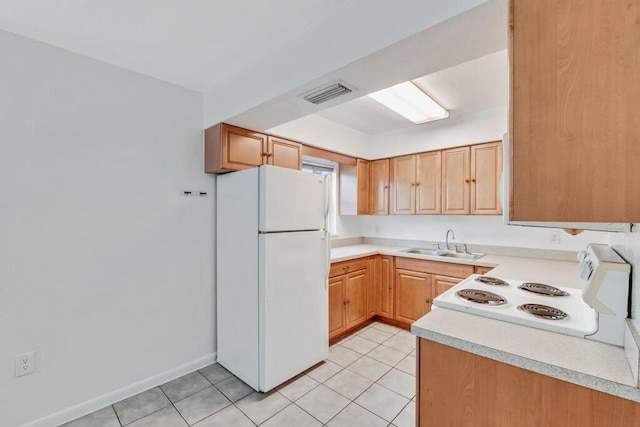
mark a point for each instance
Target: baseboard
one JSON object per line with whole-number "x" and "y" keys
{"x": 100, "y": 402}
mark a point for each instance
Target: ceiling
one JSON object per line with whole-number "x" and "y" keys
{"x": 196, "y": 43}
{"x": 472, "y": 86}
{"x": 253, "y": 58}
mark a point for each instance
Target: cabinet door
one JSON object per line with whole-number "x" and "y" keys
{"x": 385, "y": 286}
{"x": 379, "y": 187}
{"x": 284, "y": 153}
{"x": 442, "y": 284}
{"x": 486, "y": 168}
{"x": 372, "y": 286}
{"x": 428, "y": 182}
{"x": 404, "y": 181}
{"x": 363, "y": 187}
{"x": 242, "y": 148}
{"x": 413, "y": 295}
{"x": 337, "y": 323}
{"x": 356, "y": 294}
{"x": 574, "y": 68}
{"x": 456, "y": 181}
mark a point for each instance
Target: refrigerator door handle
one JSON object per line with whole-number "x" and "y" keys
{"x": 327, "y": 194}
{"x": 327, "y": 238}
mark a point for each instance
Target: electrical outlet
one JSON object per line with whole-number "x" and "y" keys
{"x": 25, "y": 363}
{"x": 378, "y": 229}
{"x": 554, "y": 237}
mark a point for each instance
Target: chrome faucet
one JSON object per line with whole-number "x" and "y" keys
{"x": 446, "y": 239}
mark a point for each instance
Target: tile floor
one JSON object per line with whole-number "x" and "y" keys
{"x": 368, "y": 380}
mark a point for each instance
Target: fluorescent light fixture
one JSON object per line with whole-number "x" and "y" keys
{"x": 411, "y": 102}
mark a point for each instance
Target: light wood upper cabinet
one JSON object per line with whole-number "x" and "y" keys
{"x": 229, "y": 148}
{"x": 284, "y": 153}
{"x": 379, "y": 187}
{"x": 404, "y": 182}
{"x": 486, "y": 169}
{"x": 354, "y": 188}
{"x": 574, "y": 132}
{"x": 456, "y": 181}
{"x": 417, "y": 183}
{"x": 428, "y": 182}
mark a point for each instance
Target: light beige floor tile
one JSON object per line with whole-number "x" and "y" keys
{"x": 406, "y": 417}
{"x": 167, "y": 417}
{"x": 292, "y": 416}
{"x": 297, "y": 388}
{"x": 343, "y": 356}
{"x": 261, "y": 406}
{"x": 369, "y": 368}
{"x": 323, "y": 403}
{"x": 202, "y": 404}
{"x": 408, "y": 365}
{"x": 234, "y": 388}
{"x": 356, "y": 416}
{"x": 359, "y": 344}
{"x": 382, "y": 402}
{"x": 140, "y": 405}
{"x": 228, "y": 417}
{"x": 400, "y": 382}
{"x": 400, "y": 344}
{"x": 386, "y": 355}
{"x": 406, "y": 335}
{"x": 375, "y": 335}
{"x": 215, "y": 373}
{"x": 348, "y": 384}
{"x": 104, "y": 417}
{"x": 325, "y": 371}
{"x": 387, "y": 328}
{"x": 185, "y": 386}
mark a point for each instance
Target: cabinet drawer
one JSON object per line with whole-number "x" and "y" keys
{"x": 434, "y": 267}
{"x": 344, "y": 267}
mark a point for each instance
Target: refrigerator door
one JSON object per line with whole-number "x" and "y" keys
{"x": 292, "y": 200}
{"x": 294, "y": 330}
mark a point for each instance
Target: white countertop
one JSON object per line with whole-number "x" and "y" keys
{"x": 580, "y": 361}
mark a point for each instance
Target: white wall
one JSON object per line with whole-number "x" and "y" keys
{"x": 106, "y": 271}
{"x": 483, "y": 230}
{"x": 482, "y": 126}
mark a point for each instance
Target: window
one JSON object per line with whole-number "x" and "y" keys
{"x": 330, "y": 169}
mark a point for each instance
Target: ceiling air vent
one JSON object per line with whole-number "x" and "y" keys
{"x": 325, "y": 92}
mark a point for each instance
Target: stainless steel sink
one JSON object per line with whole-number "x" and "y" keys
{"x": 432, "y": 252}
{"x": 443, "y": 253}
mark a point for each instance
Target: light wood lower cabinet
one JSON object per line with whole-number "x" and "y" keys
{"x": 418, "y": 282}
{"x": 413, "y": 295}
{"x": 457, "y": 388}
{"x": 349, "y": 285}
{"x": 385, "y": 285}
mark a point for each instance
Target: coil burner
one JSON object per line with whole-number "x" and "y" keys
{"x": 480, "y": 297}
{"x": 487, "y": 280}
{"x": 542, "y": 289}
{"x": 543, "y": 311}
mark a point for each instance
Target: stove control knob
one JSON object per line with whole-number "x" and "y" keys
{"x": 582, "y": 255}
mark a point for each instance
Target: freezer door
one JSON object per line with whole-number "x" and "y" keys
{"x": 291, "y": 200}
{"x": 294, "y": 329}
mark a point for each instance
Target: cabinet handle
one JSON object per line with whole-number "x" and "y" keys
{"x": 389, "y": 287}
{"x": 347, "y": 302}
{"x": 412, "y": 184}
{"x": 466, "y": 180}
{"x": 269, "y": 154}
{"x": 346, "y": 267}
{"x": 473, "y": 180}
{"x": 417, "y": 184}
{"x": 428, "y": 301}
{"x": 385, "y": 187}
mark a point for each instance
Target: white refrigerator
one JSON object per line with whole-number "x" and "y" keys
{"x": 273, "y": 256}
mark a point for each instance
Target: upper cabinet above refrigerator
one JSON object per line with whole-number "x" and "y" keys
{"x": 574, "y": 131}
